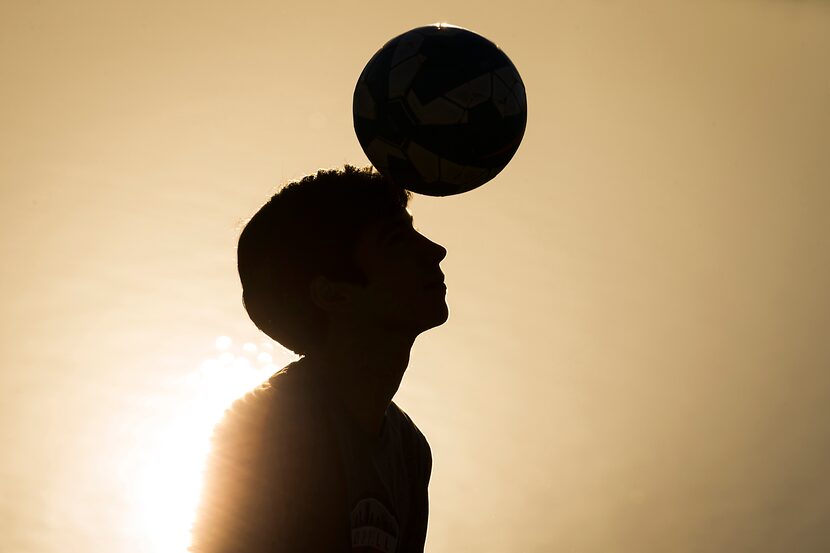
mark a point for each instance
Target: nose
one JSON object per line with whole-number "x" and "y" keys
{"x": 437, "y": 251}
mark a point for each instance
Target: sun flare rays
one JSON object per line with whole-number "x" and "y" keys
{"x": 166, "y": 491}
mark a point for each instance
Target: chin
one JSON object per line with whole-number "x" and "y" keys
{"x": 437, "y": 318}
{"x": 420, "y": 317}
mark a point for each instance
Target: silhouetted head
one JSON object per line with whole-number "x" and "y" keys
{"x": 338, "y": 247}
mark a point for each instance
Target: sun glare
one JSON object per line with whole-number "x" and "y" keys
{"x": 167, "y": 491}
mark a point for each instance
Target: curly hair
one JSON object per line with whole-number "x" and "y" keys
{"x": 309, "y": 228}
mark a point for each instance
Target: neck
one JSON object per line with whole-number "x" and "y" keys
{"x": 365, "y": 373}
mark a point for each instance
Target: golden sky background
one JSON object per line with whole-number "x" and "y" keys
{"x": 638, "y": 356}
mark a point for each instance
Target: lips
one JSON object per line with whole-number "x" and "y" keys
{"x": 436, "y": 281}
{"x": 436, "y": 285}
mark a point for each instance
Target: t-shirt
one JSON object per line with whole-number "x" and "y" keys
{"x": 290, "y": 470}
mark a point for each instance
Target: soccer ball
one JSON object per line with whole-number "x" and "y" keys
{"x": 439, "y": 110}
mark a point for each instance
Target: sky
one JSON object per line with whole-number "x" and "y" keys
{"x": 638, "y": 349}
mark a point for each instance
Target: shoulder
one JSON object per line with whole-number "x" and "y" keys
{"x": 402, "y": 420}
{"x": 280, "y": 411}
{"x": 252, "y": 409}
{"x": 413, "y": 440}
{"x": 284, "y": 393}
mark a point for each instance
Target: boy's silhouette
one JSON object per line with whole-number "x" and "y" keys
{"x": 319, "y": 459}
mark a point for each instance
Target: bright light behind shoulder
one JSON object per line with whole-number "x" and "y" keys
{"x": 166, "y": 493}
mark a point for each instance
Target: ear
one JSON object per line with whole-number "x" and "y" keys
{"x": 329, "y": 295}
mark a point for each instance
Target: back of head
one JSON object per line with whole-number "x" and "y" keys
{"x": 309, "y": 228}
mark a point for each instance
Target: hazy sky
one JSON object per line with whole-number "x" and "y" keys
{"x": 638, "y": 354}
